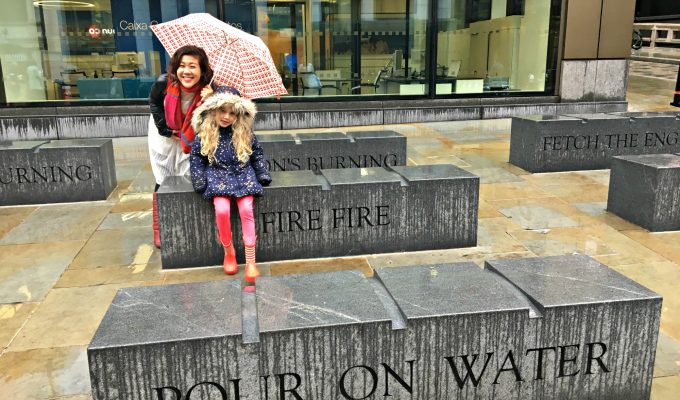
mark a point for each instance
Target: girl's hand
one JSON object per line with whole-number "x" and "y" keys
{"x": 206, "y": 92}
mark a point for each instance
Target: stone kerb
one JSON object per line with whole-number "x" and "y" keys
{"x": 337, "y": 212}
{"x": 545, "y": 143}
{"x": 645, "y": 189}
{"x": 562, "y": 327}
{"x": 58, "y": 171}
{"x": 327, "y": 150}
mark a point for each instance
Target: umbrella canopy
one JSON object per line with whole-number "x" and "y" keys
{"x": 238, "y": 59}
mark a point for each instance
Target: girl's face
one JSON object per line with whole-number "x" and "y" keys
{"x": 189, "y": 71}
{"x": 226, "y": 116}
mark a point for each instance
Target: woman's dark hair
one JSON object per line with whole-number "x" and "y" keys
{"x": 188, "y": 50}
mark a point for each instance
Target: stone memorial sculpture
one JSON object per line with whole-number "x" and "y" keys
{"x": 573, "y": 142}
{"x": 336, "y": 212}
{"x": 56, "y": 171}
{"x": 328, "y": 150}
{"x": 563, "y": 327}
{"x": 645, "y": 189}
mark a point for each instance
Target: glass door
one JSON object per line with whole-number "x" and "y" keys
{"x": 378, "y": 46}
{"x": 281, "y": 25}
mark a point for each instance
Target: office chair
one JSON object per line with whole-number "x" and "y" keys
{"x": 376, "y": 82}
{"x": 310, "y": 81}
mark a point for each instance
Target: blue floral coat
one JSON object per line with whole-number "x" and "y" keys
{"x": 227, "y": 176}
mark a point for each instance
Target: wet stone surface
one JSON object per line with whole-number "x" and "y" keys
{"x": 645, "y": 190}
{"x": 518, "y": 329}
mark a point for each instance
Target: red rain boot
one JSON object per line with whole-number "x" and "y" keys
{"x": 156, "y": 233}
{"x": 230, "y": 266}
{"x": 252, "y": 272}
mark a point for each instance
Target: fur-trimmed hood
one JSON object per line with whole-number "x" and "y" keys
{"x": 243, "y": 108}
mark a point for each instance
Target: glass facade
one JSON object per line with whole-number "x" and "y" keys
{"x": 94, "y": 50}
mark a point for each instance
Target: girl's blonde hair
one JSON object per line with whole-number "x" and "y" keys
{"x": 206, "y": 124}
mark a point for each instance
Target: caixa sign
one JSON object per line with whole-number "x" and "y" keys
{"x": 126, "y": 25}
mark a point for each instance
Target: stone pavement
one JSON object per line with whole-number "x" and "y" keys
{"x": 62, "y": 263}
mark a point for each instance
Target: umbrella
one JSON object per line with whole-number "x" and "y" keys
{"x": 238, "y": 59}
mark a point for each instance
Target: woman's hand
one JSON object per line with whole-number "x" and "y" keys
{"x": 206, "y": 92}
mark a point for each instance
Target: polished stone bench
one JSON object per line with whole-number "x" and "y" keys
{"x": 57, "y": 171}
{"x": 327, "y": 150}
{"x": 547, "y": 143}
{"x": 337, "y": 212}
{"x": 563, "y": 327}
{"x": 645, "y": 190}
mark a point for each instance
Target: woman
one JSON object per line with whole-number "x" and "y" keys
{"x": 173, "y": 98}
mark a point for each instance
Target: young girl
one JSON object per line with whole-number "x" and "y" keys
{"x": 227, "y": 161}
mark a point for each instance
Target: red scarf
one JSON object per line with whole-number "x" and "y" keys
{"x": 173, "y": 113}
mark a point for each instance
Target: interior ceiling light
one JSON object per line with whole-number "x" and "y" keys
{"x": 62, "y": 4}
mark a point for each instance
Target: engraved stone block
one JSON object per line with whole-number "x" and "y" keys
{"x": 336, "y": 213}
{"x": 645, "y": 190}
{"x": 327, "y": 150}
{"x": 58, "y": 171}
{"x": 588, "y": 141}
{"x": 562, "y": 327}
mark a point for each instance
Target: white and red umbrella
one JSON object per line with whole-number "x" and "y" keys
{"x": 238, "y": 59}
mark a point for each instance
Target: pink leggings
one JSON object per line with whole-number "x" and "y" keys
{"x": 223, "y": 215}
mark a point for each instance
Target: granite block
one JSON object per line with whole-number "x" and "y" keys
{"x": 645, "y": 189}
{"x": 328, "y": 150}
{"x": 321, "y": 118}
{"x": 511, "y": 110}
{"x": 598, "y": 329}
{"x": 609, "y": 76}
{"x": 549, "y": 327}
{"x": 110, "y": 110}
{"x": 578, "y": 81}
{"x": 427, "y": 103}
{"x": 611, "y": 106}
{"x": 102, "y": 126}
{"x": 38, "y": 172}
{"x": 593, "y": 80}
{"x": 393, "y": 213}
{"x": 28, "y": 128}
{"x": 329, "y": 106}
{"x": 27, "y": 111}
{"x": 431, "y": 114}
{"x": 576, "y": 108}
{"x": 588, "y": 141}
{"x": 268, "y": 120}
{"x": 523, "y": 100}
{"x": 172, "y": 333}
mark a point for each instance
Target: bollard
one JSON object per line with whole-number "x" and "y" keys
{"x": 676, "y": 97}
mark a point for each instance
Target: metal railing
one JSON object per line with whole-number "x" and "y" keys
{"x": 659, "y": 33}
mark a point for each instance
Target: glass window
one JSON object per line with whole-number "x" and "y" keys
{"x": 85, "y": 49}
{"x": 346, "y": 47}
{"x": 88, "y": 50}
{"x": 492, "y": 46}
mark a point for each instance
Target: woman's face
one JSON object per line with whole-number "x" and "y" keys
{"x": 189, "y": 71}
{"x": 226, "y": 116}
